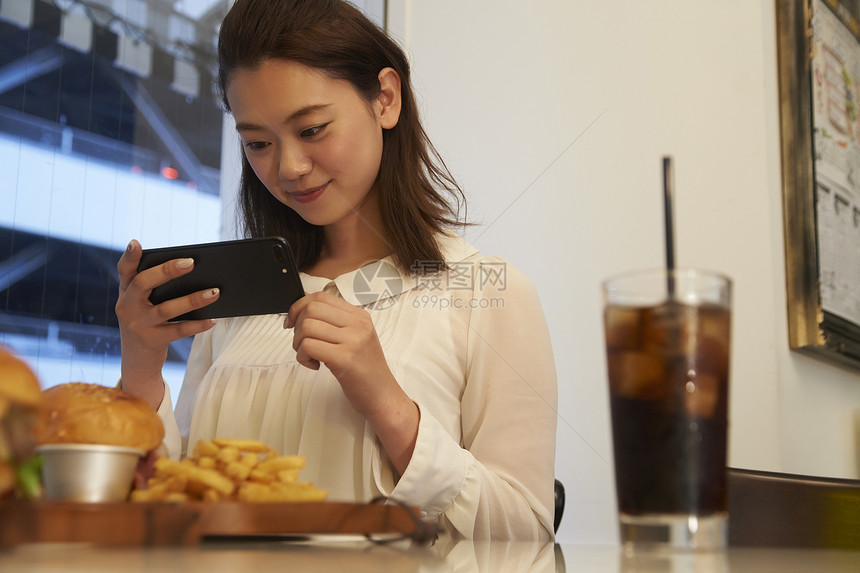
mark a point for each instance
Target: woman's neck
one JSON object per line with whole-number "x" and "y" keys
{"x": 351, "y": 243}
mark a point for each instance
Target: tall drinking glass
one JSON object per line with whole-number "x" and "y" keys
{"x": 667, "y": 346}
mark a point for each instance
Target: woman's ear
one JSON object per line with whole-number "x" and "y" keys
{"x": 388, "y": 101}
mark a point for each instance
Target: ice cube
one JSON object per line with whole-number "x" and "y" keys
{"x": 702, "y": 394}
{"x": 712, "y": 356}
{"x": 666, "y": 329}
{"x": 638, "y": 375}
{"x": 622, "y": 327}
{"x": 712, "y": 345}
{"x": 715, "y": 322}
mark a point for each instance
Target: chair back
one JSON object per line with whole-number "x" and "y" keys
{"x": 559, "y": 505}
{"x": 786, "y": 510}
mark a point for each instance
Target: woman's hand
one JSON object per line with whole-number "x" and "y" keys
{"x": 144, "y": 327}
{"x": 331, "y": 331}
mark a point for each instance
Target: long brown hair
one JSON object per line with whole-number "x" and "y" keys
{"x": 416, "y": 190}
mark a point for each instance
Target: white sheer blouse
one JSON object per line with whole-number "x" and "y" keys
{"x": 469, "y": 345}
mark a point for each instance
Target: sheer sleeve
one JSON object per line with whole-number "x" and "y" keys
{"x": 172, "y": 438}
{"x": 199, "y": 361}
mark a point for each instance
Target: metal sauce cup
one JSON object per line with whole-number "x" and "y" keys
{"x": 88, "y": 472}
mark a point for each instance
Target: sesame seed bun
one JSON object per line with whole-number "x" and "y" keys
{"x": 79, "y": 413}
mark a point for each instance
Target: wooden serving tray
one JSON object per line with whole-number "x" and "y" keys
{"x": 161, "y": 523}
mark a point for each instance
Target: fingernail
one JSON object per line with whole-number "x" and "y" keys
{"x": 184, "y": 263}
{"x": 130, "y": 246}
{"x": 211, "y": 293}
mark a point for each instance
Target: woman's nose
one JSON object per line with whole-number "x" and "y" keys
{"x": 293, "y": 162}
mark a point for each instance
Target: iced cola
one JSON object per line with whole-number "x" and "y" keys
{"x": 668, "y": 376}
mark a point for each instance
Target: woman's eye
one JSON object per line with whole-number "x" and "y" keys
{"x": 313, "y": 131}
{"x": 256, "y": 145}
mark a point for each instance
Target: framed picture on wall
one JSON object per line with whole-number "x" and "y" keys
{"x": 819, "y": 96}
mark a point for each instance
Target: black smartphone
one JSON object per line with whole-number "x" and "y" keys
{"x": 255, "y": 276}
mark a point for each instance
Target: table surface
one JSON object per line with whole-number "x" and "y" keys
{"x": 357, "y": 555}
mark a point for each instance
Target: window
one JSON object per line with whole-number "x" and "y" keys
{"x": 109, "y": 130}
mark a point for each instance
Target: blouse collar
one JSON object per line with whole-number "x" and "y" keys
{"x": 382, "y": 279}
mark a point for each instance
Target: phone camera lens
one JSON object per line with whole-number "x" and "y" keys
{"x": 279, "y": 254}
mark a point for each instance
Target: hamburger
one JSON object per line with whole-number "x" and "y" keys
{"x": 80, "y": 413}
{"x": 19, "y": 401}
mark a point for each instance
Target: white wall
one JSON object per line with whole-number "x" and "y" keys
{"x": 554, "y": 116}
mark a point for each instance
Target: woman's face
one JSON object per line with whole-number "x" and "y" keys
{"x": 314, "y": 142}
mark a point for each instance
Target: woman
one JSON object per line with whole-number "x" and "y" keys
{"x": 415, "y": 368}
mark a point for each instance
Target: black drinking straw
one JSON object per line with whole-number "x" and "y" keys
{"x": 669, "y": 222}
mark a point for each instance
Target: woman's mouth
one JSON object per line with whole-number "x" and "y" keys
{"x": 308, "y": 195}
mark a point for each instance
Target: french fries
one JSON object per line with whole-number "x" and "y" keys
{"x": 224, "y": 469}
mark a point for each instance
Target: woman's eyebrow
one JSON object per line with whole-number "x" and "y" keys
{"x": 308, "y": 109}
{"x": 301, "y": 112}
